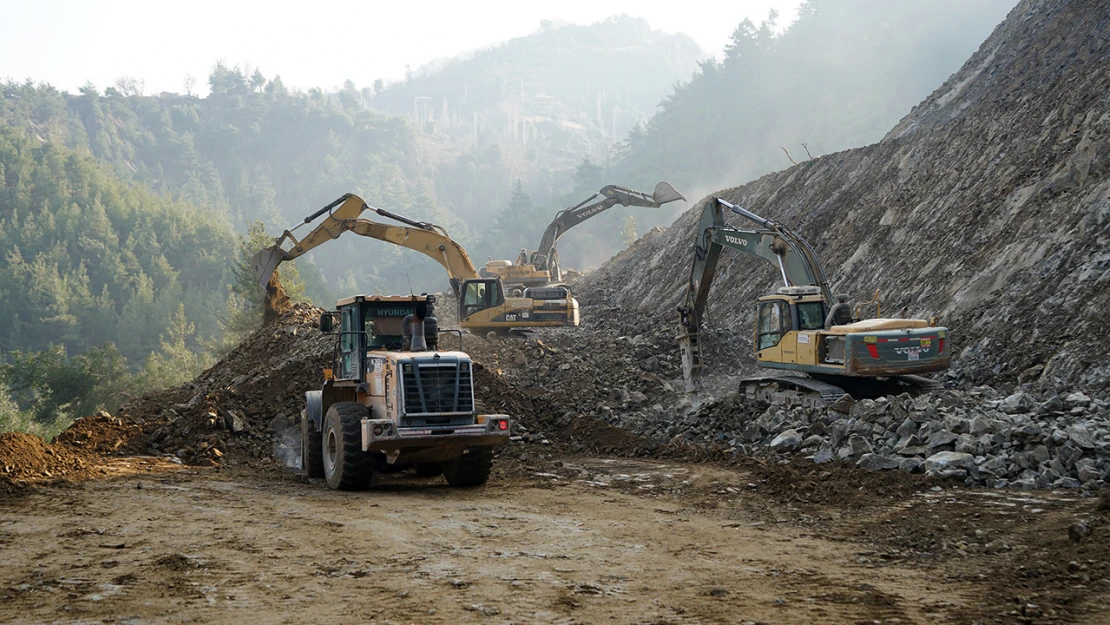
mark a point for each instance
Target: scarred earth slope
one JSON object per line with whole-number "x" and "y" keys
{"x": 988, "y": 205}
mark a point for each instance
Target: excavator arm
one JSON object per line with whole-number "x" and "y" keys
{"x": 774, "y": 243}
{"x": 608, "y": 197}
{"x": 343, "y": 216}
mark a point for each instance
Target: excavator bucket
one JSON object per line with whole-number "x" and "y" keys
{"x": 664, "y": 193}
{"x": 265, "y": 262}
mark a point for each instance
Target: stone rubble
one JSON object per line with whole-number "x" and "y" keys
{"x": 979, "y": 436}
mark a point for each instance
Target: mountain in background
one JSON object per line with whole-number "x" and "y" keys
{"x": 546, "y": 100}
{"x": 838, "y": 77}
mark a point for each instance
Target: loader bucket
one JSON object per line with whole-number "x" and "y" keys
{"x": 664, "y": 193}
{"x": 265, "y": 262}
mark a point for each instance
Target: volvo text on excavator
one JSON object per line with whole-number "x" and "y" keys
{"x": 801, "y": 327}
{"x": 541, "y": 266}
{"x": 482, "y": 304}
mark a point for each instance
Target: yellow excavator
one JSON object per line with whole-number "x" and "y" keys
{"x": 802, "y": 328}
{"x": 541, "y": 266}
{"x": 483, "y": 306}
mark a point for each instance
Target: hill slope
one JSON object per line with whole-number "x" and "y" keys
{"x": 989, "y": 205}
{"x": 559, "y": 90}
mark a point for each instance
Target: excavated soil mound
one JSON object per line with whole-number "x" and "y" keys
{"x": 246, "y": 407}
{"x": 25, "y": 457}
{"x": 101, "y": 433}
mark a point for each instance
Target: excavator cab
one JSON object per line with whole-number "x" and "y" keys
{"x": 479, "y": 295}
{"x": 780, "y": 317}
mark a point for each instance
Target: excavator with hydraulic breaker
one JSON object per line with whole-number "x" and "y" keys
{"x": 482, "y": 303}
{"x": 540, "y": 267}
{"x": 802, "y": 328}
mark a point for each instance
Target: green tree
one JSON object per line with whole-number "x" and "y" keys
{"x": 628, "y": 231}
{"x": 177, "y": 362}
{"x": 55, "y": 388}
{"x": 243, "y": 307}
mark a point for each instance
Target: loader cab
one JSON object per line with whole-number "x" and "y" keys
{"x": 790, "y": 309}
{"x": 370, "y": 323}
{"x": 479, "y": 295}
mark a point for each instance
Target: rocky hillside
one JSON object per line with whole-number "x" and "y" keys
{"x": 988, "y": 205}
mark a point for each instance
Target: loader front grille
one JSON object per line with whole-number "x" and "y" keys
{"x": 437, "y": 392}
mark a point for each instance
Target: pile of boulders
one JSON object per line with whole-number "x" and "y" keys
{"x": 979, "y": 436}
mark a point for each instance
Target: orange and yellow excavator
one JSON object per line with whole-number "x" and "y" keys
{"x": 482, "y": 304}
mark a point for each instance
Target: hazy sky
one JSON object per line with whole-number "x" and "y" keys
{"x": 310, "y": 44}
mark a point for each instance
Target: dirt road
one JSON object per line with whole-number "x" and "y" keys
{"x": 590, "y": 541}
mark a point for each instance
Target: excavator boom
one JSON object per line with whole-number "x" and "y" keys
{"x": 541, "y": 266}
{"x": 608, "y": 197}
{"x": 423, "y": 237}
{"x": 775, "y": 244}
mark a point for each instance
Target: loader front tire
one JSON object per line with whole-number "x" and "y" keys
{"x": 470, "y": 469}
{"x": 346, "y": 465}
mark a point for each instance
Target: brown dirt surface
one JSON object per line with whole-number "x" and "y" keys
{"x": 245, "y": 405}
{"x": 102, "y": 434}
{"x": 574, "y": 539}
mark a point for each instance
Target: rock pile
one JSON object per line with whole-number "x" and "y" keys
{"x": 245, "y": 407}
{"x": 980, "y": 437}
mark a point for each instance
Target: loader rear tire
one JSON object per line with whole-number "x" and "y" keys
{"x": 470, "y": 469}
{"x": 346, "y": 465}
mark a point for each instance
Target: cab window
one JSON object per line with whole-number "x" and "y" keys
{"x": 811, "y": 316}
{"x": 349, "y": 343}
{"x": 477, "y": 296}
{"x": 774, "y": 321}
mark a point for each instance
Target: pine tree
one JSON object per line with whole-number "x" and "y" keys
{"x": 628, "y": 231}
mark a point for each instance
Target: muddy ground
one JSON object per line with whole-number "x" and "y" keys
{"x": 569, "y": 539}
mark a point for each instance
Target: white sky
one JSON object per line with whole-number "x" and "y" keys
{"x": 309, "y": 44}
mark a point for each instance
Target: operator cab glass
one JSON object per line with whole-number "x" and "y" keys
{"x": 383, "y": 332}
{"x": 811, "y": 315}
{"x": 479, "y": 295}
{"x": 350, "y": 343}
{"x": 773, "y": 322}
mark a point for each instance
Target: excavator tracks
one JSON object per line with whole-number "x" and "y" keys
{"x": 793, "y": 389}
{"x": 817, "y": 393}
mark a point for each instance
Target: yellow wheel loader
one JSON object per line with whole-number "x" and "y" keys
{"x": 483, "y": 305}
{"x": 802, "y": 328}
{"x": 541, "y": 266}
{"x": 392, "y": 400}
